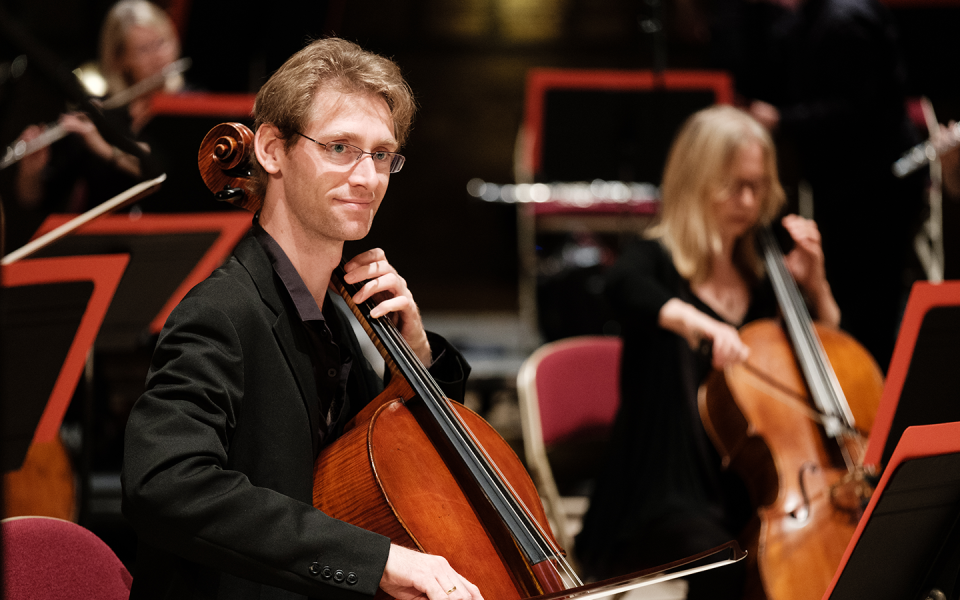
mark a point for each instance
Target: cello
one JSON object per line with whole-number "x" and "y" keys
{"x": 427, "y": 472}
{"x": 783, "y": 421}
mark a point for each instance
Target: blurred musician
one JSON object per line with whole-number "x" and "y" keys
{"x": 137, "y": 40}
{"x": 680, "y": 297}
{"x": 823, "y": 73}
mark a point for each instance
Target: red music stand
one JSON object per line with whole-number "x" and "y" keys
{"x": 632, "y": 116}
{"x": 907, "y": 544}
{"x": 52, "y": 311}
{"x": 923, "y": 376}
{"x": 541, "y": 83}
{"x": 169, "y": 254}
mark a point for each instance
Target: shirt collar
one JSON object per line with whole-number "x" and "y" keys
{"x": 302, "y": 298}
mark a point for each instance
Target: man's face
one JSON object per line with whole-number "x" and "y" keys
{"x": 332, "y": 202}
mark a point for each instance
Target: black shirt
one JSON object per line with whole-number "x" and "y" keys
{"x": 331, "y": 361}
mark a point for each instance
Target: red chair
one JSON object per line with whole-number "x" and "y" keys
{"x": 568, "y": 390}
{"x": 51, "y": 559}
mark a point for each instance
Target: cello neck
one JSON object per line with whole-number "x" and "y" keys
{"x": 818, "y": 374}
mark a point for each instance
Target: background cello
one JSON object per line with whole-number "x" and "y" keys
{"x": 793, "y": 421}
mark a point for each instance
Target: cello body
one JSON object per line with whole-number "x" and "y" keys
{"x": 385, "y": 475}
{"x": 43, "y": 486}
{"x": 759, "y": 416}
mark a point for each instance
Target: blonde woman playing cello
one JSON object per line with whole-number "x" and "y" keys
{"x": 680, "y": 295}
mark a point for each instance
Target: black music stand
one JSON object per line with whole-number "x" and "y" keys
{"x": 52, "y": 309}
{"x": 634, "y": 113}
{"x": 923, "y": 376}
{"x": 907, "y": 546}
{"x": 169, "y": 254}
{"x": 174, "y": 131}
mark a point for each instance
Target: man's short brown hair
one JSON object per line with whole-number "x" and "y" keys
{"x": 286, "y": 99}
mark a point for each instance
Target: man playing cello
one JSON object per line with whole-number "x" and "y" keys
{"x": 256, "y": 370}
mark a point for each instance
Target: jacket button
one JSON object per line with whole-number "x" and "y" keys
{"x": 338, "y": 576}
{"x": 352, "y": 578}
{"x": 314, "y": 569}
{"x": 326, "y": 573}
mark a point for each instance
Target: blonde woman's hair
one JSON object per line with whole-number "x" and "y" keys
{"x": 113, "y": 38}
{"x": 697, "y": 171}
{"x": 286, "y": 100}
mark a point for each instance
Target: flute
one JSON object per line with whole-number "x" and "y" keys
{"x": 55, "y": 131}
{"x": 926, "y": 152}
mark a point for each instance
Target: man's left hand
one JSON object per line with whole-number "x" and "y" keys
{"x": 385, "y": 286}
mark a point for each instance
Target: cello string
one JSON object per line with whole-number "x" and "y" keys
{"x": 824, "y": 385}
{"x": 792, "y": 314}
{"x": 837, "y": 418}
{"x": 512, "y": 499}
{"x": 815, "y": 356}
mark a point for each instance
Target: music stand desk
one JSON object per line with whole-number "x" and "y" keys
{"x": 52, "y": 311}
{"x": 907, "y": 541}
{"x": 923, "y": 376}
{"x": 169, "y": 254}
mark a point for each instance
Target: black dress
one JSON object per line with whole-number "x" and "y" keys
{"x": 662, "y": 494}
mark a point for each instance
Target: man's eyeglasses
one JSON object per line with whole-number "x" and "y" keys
{"x": 342, "y": 154}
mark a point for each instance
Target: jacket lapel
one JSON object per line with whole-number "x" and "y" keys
{"x": 292, "y": 342}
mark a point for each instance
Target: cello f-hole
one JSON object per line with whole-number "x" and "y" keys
{"x": 802, "y": 512}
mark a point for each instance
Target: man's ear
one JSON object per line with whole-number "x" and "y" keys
{"x": 269, "y": 148}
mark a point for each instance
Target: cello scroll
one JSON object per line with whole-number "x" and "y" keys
{"x": 225, "y": 164}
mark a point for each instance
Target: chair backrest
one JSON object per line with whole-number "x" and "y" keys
{"x": 574, "y": 383}
{"x": 568, "y": 390}
{"x": 51, "y": 559}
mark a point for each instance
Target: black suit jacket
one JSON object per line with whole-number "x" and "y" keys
{"x": 219, "y": 451}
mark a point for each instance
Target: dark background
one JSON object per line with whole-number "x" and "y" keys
{"x": 467, "y": 62}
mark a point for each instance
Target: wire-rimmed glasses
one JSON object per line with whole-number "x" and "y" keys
{"x": 343, "y": 154}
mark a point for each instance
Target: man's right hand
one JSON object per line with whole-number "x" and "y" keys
{"x": 412, "y": 575}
